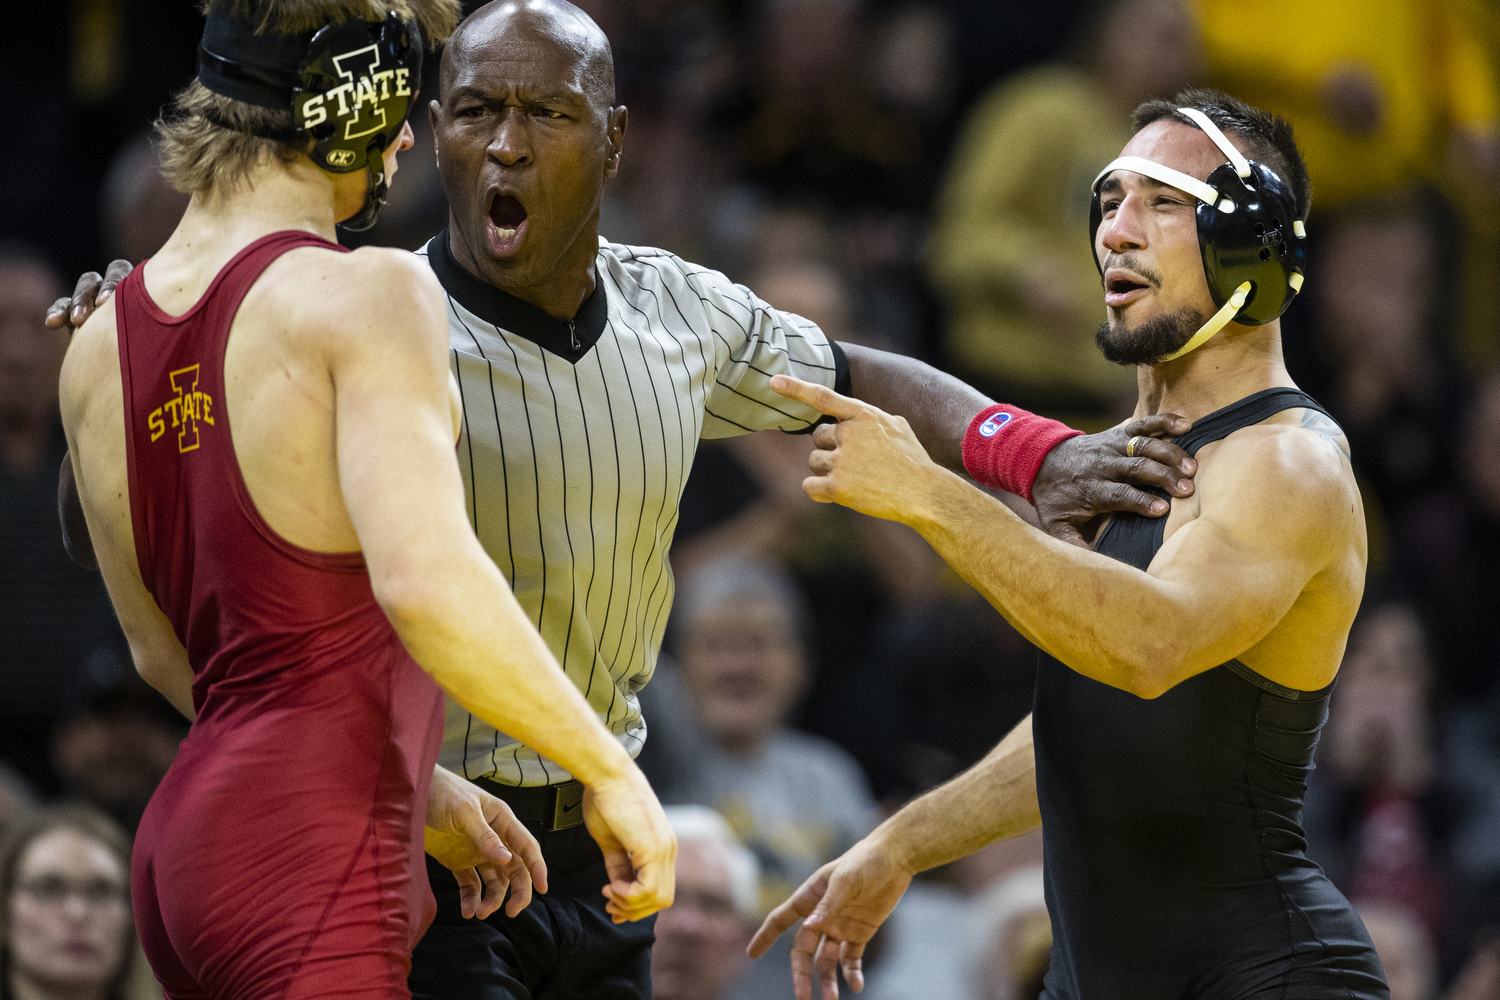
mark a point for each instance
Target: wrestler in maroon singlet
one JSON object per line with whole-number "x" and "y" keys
{"x": 282, "y": 854}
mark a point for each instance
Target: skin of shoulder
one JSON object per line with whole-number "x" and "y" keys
{"x": 322, "y": 331}
{"x": 370, "y": 294}
{"x": 91, "y": 400}
{"x": 1300, "y": 467}
{"x": 90, "y": 358}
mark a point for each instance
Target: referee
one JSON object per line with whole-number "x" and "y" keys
{"x": 588, "y": 372}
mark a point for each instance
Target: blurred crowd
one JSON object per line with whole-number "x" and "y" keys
{"x": 913, "y": 175}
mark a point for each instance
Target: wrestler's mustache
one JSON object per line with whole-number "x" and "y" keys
{"x": 1130, "y": 262}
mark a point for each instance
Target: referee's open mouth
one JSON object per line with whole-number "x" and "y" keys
{"x": 507, "y": 225}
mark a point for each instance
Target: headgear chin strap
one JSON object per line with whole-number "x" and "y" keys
{"x": 1252, "y": 242}
{"x": 349, "y": 87}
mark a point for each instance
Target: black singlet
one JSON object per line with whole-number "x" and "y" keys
{"x": 1174, "y": 851}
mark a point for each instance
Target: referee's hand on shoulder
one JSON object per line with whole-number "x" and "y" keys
{"x": 640, "y": 850}
{"x": 72, "y": 311}
{"x": 1084, "y": 477}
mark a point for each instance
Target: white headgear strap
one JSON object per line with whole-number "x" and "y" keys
{"x": 1205, "y": 193}
{"x": 1241, "y": 165}
{"x": 1173, "y": 178}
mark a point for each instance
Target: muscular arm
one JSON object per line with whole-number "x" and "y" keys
{"x": 94, "y": 468}
{"x": 445, "y": 597}
{"x": 1277, "y": 509}
{"x": 401, "y": 485}
{"x": 70, "y": 313}
{"x": 993, "y": 800}
{"x": 1267, "y": 528}
{"x": 845, "y": 902}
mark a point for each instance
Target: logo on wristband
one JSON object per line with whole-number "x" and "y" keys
{"x": 992, "y": 425}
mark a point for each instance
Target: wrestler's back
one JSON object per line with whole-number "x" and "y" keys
{"x": 302, "y": 779}
{"x": 281, "y": 403}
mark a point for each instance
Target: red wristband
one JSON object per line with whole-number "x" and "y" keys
{"x": 1005, "y": 446}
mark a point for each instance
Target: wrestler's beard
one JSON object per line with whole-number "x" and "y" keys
{"x": 1153, "y": 340}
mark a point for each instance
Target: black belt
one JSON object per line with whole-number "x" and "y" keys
{"x": 542, "y": 809}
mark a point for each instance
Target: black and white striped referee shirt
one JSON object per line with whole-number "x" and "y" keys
{"x": 577, "y": 439}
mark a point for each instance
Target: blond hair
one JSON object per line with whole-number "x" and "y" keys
{"x": 199, "y": 156}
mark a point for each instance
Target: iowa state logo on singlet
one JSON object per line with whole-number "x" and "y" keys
{"x": 186, "y": 407}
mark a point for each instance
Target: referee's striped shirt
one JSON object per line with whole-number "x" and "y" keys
{"x": 577, "y": 439}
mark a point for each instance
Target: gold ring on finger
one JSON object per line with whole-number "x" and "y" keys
{"x": 1133, "y": 446}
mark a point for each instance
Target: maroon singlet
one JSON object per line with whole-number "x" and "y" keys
{"x": 281, "y": 857}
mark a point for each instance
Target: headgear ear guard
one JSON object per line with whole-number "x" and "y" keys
{"x": 349, "y": 87}
{"x": 1252, "y": 242}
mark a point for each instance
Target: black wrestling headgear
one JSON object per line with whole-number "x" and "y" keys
{"x": 349, "y": 87}
{"x": 1252, "y": 242}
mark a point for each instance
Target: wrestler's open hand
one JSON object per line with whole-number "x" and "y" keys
{"x": 870, "y": 460}
{"x": 475, "y": 835}
{"x": 71, "y": 311}
{"x": 1091, "y": 475}
{"x": 841, "y": 906}
{"x": 640, "y": 850}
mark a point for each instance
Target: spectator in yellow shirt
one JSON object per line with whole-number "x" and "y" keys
{"x": 1379, "y": 91}
{"x": 1009, "y": 248}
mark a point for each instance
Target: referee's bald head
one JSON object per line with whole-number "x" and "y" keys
{"x": 550, "y": 28}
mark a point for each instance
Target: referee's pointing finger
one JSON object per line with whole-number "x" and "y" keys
{"x": 819, "y": 397}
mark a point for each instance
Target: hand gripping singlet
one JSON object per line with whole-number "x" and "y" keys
{"x": 1174, "y": 852}
{"x": 281, "y": 856}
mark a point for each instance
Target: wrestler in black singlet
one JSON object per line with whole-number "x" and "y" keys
{"x": 1175, "y": 863}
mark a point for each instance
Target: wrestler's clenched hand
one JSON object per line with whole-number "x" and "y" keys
{"x": 841, "y": 906}
{"x": 477, "y": 837}
{"x": 640, "y": 850}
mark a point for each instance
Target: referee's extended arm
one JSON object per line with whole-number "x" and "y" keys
{"x": 1079, "y": 479}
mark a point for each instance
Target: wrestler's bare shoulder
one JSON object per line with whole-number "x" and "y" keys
{"x": 1309, "y": 426}
{"x": 1288, "y": 476}
{"x": 1298, "y": 450}
{"x": 369, "y": 292}
{"x": 91, "y": 366}
{"x": 1299, "y": 500}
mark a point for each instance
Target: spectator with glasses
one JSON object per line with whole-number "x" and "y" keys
{"x": 700, "y": 941}
{"x": 65, "y": 927}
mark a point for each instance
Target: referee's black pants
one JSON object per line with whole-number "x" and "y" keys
{"x": 562, "y": 946}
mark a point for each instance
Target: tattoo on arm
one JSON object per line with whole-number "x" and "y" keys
{"x": 1321, "y": 424}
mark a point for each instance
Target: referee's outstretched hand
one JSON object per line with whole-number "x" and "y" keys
{"x": 840, "y": 906}
{"x": 640, "y": 849}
